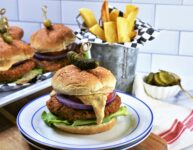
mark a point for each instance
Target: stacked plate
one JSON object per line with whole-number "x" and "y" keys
{"x": 128, "y": 132}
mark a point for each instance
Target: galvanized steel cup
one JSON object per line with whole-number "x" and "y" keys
{"x": 120, "y": 60}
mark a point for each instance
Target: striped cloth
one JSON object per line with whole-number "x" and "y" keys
{"x": 173, "y": 123}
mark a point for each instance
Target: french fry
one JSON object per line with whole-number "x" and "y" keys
{"x": 131, "y": 9}
{"x": 105, "y": 12}
{"x": 98, "y": 31}
{"x": 130, "y": 14}
{"x": 131, "y": 22}
{"x": 88, "y": 17}
{"x": 123, "y": 30}
{"x": 110, "y": 29}
{"x": 114, "y": 14}
{"x": 132, "y": 34}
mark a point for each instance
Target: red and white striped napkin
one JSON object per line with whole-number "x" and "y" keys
{"x": 173, "y": 123}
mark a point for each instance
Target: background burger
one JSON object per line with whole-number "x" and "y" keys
{"x": 16, "y": 32}
{"x": 16, "y": 64}
{"x": 51, "y": 45}
{"x": 83, "y": 101}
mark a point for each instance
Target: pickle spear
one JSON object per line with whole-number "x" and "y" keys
{"x": 80, "y": 62}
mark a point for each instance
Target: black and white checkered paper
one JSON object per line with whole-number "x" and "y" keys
{"x": 145, "y": 33}
{"x": 13, "y": 86}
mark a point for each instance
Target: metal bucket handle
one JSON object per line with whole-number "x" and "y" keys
{"x": 80, "y": 25}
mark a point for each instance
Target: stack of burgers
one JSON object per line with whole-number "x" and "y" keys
{"x": 21, "y": 62}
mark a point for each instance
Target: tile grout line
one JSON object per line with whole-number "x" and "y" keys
{"x": 61, "y": 14}
{"x": 179, "y": 39}
{"x": 151, "y": 60}
{"x": 18, "y": 17}
{"x": 155, "y": 8}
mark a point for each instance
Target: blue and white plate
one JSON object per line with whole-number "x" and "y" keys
{"x": 128, "y": 130}
{"x": 127, "y": 146}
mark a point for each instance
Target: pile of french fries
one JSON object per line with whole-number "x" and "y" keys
{"x": 114, "y": 29}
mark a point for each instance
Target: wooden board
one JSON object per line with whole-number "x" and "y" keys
{"x": 10, "y": 138}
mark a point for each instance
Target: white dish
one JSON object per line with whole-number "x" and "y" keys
{"x": 43, "y": 147}
{"x": 12, "y": 96}
{"x": 161, "y": 92}
{"x": 127, "y": 130}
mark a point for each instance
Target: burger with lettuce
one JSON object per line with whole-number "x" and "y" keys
{"x": 16, "y": 63}
{"x": 83, "y": 101}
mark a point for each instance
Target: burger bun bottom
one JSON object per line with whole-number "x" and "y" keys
{"x": 90, "y": 129}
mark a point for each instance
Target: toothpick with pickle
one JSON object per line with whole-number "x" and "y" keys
{"x": 47, "y": 22}
{"x": 6, "y": 36}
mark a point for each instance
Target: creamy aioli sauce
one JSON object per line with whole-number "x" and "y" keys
{"x": 53, "y": 93}
{"x": 98, "y": 102}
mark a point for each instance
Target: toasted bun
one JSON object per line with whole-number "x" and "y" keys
{"x": 16, "y": 32}
{"x": 92, "y": 129}
{"x": 71, "y": 80}
{"x": 13, "y": 53}
{"x": 53, "y": 40}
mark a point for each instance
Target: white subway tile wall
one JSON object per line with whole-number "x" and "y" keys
{"x": 186, "y": 43}
{"x": 172, "y": 50}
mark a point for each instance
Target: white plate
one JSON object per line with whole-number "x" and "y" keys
{"x": 127, "y": 146}
{"x": 126, "y": 131}
{"x": 12, "y": 96}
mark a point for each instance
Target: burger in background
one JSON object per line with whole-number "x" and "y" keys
{"x": 83, "y": 101}
{"x": 51, "y": 45}
{"x": 16, "y": 63}
{"x": 16, "y": 32}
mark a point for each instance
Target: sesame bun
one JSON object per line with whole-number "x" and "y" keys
{"x": 71, "y": 80}
{"x": 13, "y": 53}
{"x": 53, "y": 40}
{"x": 91, "y": 129}
{"x": 16, "y": 32}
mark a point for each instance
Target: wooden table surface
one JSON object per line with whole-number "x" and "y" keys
{"x": 10, "y": 138}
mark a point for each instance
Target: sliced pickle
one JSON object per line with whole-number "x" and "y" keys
{"x": 166, "y": 78}
{"x": 149, "y": 78}
{"x": 158, "y": 81}
{"x": 80, "y": 62}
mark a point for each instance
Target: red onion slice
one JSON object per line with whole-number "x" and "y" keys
{"x": 19, "y": 63}
{"x": 74, "y": 104}
{"x": 41, "y": 56}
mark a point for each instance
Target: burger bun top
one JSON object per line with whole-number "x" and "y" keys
{"x": 70, "y": 80}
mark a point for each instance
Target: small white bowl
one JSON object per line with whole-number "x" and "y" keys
{"x": 160, "y": 92}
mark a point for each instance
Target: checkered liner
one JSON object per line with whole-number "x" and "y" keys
{"x": 13, "y": 86}
{"x": 145, "y": 33}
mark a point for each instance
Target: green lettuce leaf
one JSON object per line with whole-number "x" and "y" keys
{"x": 29, "y": 76}
{"x": 50, "y": 119}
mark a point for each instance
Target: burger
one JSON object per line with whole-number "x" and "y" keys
{"x": 16, "y": 32}
{"x": 16, "y": 63}
{"x": 83, "y": 101}
{"x": 51, "y": 45}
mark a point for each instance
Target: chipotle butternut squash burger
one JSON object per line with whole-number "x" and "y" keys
{"x": 83, "y": 101}
{"x": 16, "y": 63}
{"x": 51, "y": 46}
